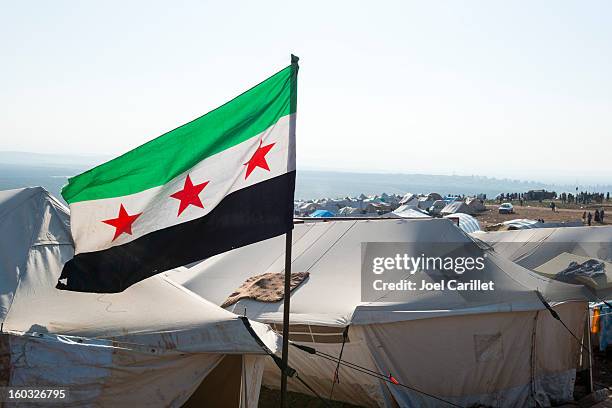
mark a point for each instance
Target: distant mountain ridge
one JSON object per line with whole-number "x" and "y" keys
{"x": 23, "y": 169}
{"x": 315, "y": 184}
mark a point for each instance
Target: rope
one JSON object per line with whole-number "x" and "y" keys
{"x": 277, "y": 360}
{"x": 337, "y": 371}
{"x": 312, "y": 390}
{"x": 367, "y": 371}
{"x": 555, "y": 315}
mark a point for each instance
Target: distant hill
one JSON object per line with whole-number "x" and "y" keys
{"x": 51, "y": 160}
{"x": 314, "y": 184}
{"x": 21, "y": 169}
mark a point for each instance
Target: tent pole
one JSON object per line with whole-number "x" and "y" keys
{"x": 589, "y": 357}
{"x": 288, "y": 242}
{"x": 287, "y": 297}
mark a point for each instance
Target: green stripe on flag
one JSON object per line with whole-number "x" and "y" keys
{"x": 160, "y": 160}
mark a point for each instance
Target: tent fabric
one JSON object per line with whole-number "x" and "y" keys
{"x": 348, "y": 211}
{"x": 535, "y": 248}
{"x": 424, "y": 203}
{"x": 467, "y": 223}
{"x": 476, "y": 204}
{"x": 405, "y": 211}
{"x": 488, "y": 351}
{"x": 457, "y": 207}
{"x": 99, "y": 374}
{"x": 525, "y": 223}
{"x": 331, "y": 252}
{"x": 378, "y": 340}
{"x": 156, "y": 327}
{"x": 434, "y": 196}
{"x": 407, "y": 198}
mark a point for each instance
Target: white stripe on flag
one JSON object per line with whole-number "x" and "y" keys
{"x": 225, "y": 172}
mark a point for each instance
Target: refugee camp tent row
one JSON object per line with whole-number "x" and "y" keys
{"x": 155, "y": 344}
{"x": 494, "y": 348}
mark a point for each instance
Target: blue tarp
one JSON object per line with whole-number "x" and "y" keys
{"x": 322, "y": 214}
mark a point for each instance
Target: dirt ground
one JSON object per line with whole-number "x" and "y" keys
{"x": 602, "y": 367}
{"x": 540, "y": 211}
{"x": 269, "y": 398}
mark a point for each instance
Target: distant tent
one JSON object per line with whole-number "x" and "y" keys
{"x": 466, "y": 222}
{"x": 106, "y": 347}
{"x": 321, "y": 214}
{"x": 405, "y": 211}
{"x": 434, "y": 196}
{"x": 308, "y": 207}
{"x": 476, "y": 204}
{"x": 407, "y": 198}
{"x": 425, "y": 202}
{"x": 524, "y": 223}
{"x": 346, "y": 211}
{"x": 377, "y": 208}
{"x": 457, "y": 207}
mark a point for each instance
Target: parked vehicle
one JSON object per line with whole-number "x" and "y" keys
{"x": 506, "y": 208}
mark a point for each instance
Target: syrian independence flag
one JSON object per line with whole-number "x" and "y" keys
{"x": 220, "y": 182}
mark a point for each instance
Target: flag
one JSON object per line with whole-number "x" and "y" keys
{"x": 221, "y": 181}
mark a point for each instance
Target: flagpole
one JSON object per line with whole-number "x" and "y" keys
{"x": 285, "y": 359}
{"x": 287, "y": 290}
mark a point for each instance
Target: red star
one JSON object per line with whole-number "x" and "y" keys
{"x": 123, "y": 222}
{"x": 189, "y": 195}
{"x": 258, "y": 159}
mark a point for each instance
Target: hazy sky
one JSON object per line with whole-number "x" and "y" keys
{"x": 517, "y": 89}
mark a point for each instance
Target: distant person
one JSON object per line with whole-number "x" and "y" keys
{"x": 521, "y": 201}
{"x": 589, "y": 217}
{"x": 601, "y": 215}
{"x": 584, "y": 217}
{"x": 552, "y": 206}
{"x": 596, "y": 215}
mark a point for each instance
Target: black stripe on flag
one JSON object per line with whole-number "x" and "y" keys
{"x": 252, "y": 214}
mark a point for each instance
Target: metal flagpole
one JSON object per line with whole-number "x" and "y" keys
{"x": 287, "y": 293}
{"x": 285, "y": 360}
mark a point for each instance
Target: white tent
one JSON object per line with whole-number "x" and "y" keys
{"x": 408, "y": 198}
{"x": 349, "y": 211}
{"x": 155, "y": 344}
{"x": 405, "y": 211}
{"x": 434, "y": 196}
{"x": 525, "y": 223}
{"x": 498, "y": 348}
{"x": 550, "y": 250}
{"x": 457, "y": 207}
{"x": 424, "y": 203}
{"x": 476, "y": 204}
{"x": 466, "y": 222}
